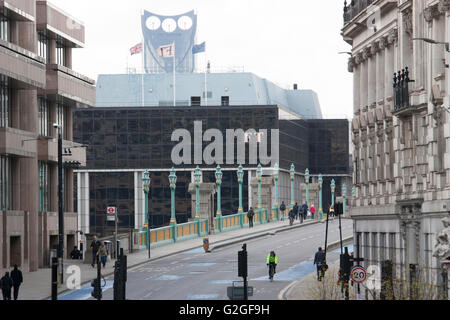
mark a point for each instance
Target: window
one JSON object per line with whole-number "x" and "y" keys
{"x": 196, "y": 101}
{"x": 225, "y": 101}
{"x": 5, "y": 183}
{"x": 44, "y": 117}
{"x": 4, "y": 27}
{"x": 5, "y": 102}
{"x": 60, "y": 52}
{"x": 43, "y": 187}
{"x": 60, "y": 118}
{"x": 43, "y": 45}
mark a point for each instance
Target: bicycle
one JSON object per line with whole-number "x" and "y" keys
{"x": 271, "y": 271}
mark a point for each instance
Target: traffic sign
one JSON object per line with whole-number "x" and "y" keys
{"x": 358, "y": 274}
{"x": 111, "y": 210}
{"x": 111, "y": 213}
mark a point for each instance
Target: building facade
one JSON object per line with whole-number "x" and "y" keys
{"x": 400, "y": 131}
{"x": 125, "y": 141}
{"x": 37, "y": 89}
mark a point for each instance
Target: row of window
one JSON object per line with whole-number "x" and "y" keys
{"x": 4, "y": 27}
{"x": 5, "y": 183}
{"x": 44, "y": 49}
{"x": 197, "y": 101}
{"x": 5, "y": 102}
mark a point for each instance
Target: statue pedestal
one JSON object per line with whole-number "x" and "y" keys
{"x": 206, "y": 199}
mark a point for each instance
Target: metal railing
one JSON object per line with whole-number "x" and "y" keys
{"x": 355, "y": 7}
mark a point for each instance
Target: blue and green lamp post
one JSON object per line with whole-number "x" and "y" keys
{"x": 333, "y": 186}
{"x": 219, "y": 176}
{"x": 259, "y": 177}
{"x": 173, "y": 185}
{"x": 320, "y": 196}
{"x": 292, "y": 173}
{"x": 197, "y": 177}
{"x": 307, "y": 186}
{"x": 344, "y": 196}
{"x": 240, "y": 175}
{"x": 276, "y": 171}
{"x": 146, "y": 185}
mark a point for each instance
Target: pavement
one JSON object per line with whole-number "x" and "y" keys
{"x": 37, "y": 285}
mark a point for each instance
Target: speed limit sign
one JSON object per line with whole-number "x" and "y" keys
{"x": 358, "y": 274}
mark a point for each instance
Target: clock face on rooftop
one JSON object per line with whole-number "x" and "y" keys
{"x": 169, "y": 25}
{"x": 185, "y": 23}
{"x": 153, "y": 23}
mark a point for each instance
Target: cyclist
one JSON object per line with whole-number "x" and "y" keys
{"x": 320, "y": 261}
{"x": 272, "y": 261}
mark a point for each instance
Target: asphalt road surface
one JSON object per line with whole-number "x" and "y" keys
{"x": 196, "y": 275}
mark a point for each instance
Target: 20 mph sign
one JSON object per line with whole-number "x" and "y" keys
{"x": 358, "y": 274}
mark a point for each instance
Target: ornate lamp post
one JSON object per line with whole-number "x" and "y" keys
{"x": 320, "y": 196}
{"x": 333, "y": 186}
{"x": 172, "y": 184}
{"x": 146, "y": 186}
{"x": 259, "y": 176}
{"x": 219, "y": 176}
{"x": 344, "y": 196}
{"x": 276, "y": 171}
{"x": 353, "y": 196}
{"x": 292, "y": 173}
{"x": 240, "y": 174}
{"x": 197, "y": 177}
{"x": 307, "y": 186}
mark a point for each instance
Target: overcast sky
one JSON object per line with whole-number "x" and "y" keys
{"x": 284, "y": 41}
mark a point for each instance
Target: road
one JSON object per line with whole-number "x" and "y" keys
{"x": 196, "y": 275}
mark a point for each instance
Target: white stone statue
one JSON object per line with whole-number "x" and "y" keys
{"x": 442, "y": 247}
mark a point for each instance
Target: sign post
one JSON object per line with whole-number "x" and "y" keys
{"x": 358, "y": 274}
{"x": 111, "y": 215}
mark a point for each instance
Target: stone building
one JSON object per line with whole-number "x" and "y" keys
{"x": 37, "y": 89}
{"x": 400, "y": 130}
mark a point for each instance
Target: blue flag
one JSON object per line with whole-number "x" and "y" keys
{"x": 198, "y": 48}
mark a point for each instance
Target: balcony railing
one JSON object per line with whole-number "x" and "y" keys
{"x": 354, "y": 9}
{"x": 401, "y": 89}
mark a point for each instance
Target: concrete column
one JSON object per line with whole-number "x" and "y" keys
{"x": 69, "y": 123}
{"x": 438, "y": 57}
{"x": 68, "y": 52}
{"x": 389, "y": 72}
{"x": 27, "y": 35}
{"x": 381, "y": 67}
{"x": 363, "y": 84}
{"x": 53, "y": 177}
{"x": 69, "y": 193}
{"x": 356, "y": 88}
{"x": 14, "y": 32}
{"x": 52, "y": 51}
{"x": 372, "y": 80}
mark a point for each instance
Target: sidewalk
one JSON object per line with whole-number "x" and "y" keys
{"x": 37, "y": 285}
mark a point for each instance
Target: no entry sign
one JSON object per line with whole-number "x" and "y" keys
{"x": 358, "y": 274}
{"x": 111, "y": 213}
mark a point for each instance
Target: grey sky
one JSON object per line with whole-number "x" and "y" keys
{"x": 284, "y": 41}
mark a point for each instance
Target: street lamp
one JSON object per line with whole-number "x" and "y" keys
{"x": 197, "y": 177}
{"x": 333, "y": 186}
{"x": 240, "y": 174}
{"x": 320, "y": 196}
{"x": 307, "y": 186}
{"x": 60, "y": 204}
{"x": 219, "y": 176}
{"x": 259, "y": 176}
{"x": 292, "y": 173}
{"x": 172, "y": 185}
{"x": 276, "y": 171}
{"x": 146, "y": 185}
{"x": 344, "y": 196}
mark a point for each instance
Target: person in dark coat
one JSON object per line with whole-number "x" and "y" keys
{"x": 94, "y": 245}
{"x": 6, "y": 284}
{"x": 295, "y": 210}
{"x": 319, "y": 261}
{"x": 305, "y": 210}
{"x": 17, "y": 278}
{"x": 75, "y": 254}
{"x": 282, "y": 209}
{"x": 250, "y": 215}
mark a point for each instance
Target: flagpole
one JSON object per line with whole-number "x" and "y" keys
{"x": 206, "y": 87}
{"x": 143, "y": 70}
{"x": 174, "y": 79}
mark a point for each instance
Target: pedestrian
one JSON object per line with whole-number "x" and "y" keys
{"x": 94, "y": 245}
{"x": 17, "y": 278}
{"x": 75, "y": 254}
{"x": 313, "y": 211}
{"x": 319, "y": 261}
{"x": 291, "y": 217}
{"x": 305, "y": 210}
{"x": 282, "y": 209}
{"x": 250, "y": 215}
{"x": 295, "y": 209}
{"x": 102, "y": 253}
{"x": 6, "y": 284}
{"x": 331, "y": 212}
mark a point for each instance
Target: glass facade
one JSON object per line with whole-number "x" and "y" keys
{"x": 44, "y": 116}
{"x": 5, "y": 183}
{"x": 4, "y": 26}
{"x": 5, "y": 102}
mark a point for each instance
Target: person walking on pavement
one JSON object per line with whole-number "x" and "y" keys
{"x": 295, "y": 209}
{"x": 6, "y": 283}
{"x": 94, "y": 245}
{"x": 250, "y": 215}
{"x": 331, "y": 212}
{"x": 282, "y": 209}
{"x": 319, "y": 261}
{"x": 17, "y": 278}
{"x": 305, "y": 210}
{"x": 102, "y": 253}
{"x": 313, "y": 211}
{"x": 291, "y": 217}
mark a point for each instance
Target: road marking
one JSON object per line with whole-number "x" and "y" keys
{"x": 201, "y": 264}
{"x": 202, "y": 297}
{"x": 167, "y": 277}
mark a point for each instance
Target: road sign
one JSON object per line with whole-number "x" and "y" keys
{"x": 111, "y": 213}
{"x": 237, "y": 293}
{"x": 358, "y": 274}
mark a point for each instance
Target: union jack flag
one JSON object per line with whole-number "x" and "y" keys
{"x": 136, "y": 49}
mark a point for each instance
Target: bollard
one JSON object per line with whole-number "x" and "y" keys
{"x": 54, "y": 278}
